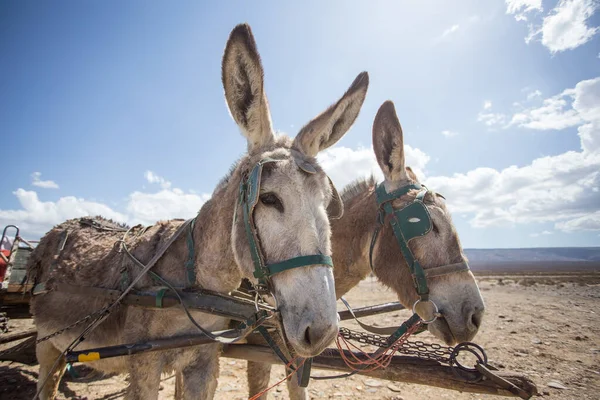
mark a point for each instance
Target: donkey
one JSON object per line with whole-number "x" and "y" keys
{"x": 291, "y": 220}
{"x": 456, "y": 294}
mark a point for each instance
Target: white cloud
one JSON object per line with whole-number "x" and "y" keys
{"x": 543, "y": 233}
{"x": 550, "y": 189}
{"x": 533, "y": 31}
{"x": 564, "y": 189}
{"x": 519, "y": 8}
{"x": 36, "y": 181}
{"x": 345, "y": 165}
{"x": 36, "y": 217}
{"x": 147, "y": 208}
{"x": 589, "y": 222}
{"x": 449, "y": 133}
{"x": 555, "y": 113}
{"x": 570, "y": 108}
{"x": 566, "y": 26}
{"x": 534, "y": 94}
{"x": 450, "y": 31}
{"x": 490, "y": 118}
{"x": 151, "y": 177}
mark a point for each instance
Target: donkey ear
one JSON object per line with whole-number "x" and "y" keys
{"x": 243, "y": 80}
{"x": 411, "y": 174}
{"x": 388, "y": 143}
{"x": 331, "y": 125}
{"x": 335, "y": 210}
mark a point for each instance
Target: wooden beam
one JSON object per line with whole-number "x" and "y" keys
{"x": 401, "y": 369}
{"x": 11, "y": 337}
{"x": 371, "y": 310}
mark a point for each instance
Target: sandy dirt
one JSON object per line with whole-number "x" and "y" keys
{"x": 545, "y": 327}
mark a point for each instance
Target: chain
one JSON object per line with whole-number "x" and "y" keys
{"x": 73, "y": 325}
{"x": 3, "y": 322}
{"x": 429, "y": 351}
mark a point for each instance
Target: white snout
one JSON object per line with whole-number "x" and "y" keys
{"x": 461, "y": 306}
{"x": 306, "y": 298}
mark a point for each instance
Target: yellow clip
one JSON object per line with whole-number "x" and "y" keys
{"x": 93, "y": 356}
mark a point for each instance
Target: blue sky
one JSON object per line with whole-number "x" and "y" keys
{"x": 117, "y": 107}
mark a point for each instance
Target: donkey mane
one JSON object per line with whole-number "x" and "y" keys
{"x": 357, "y": 187}
{"x": 225, "y": 180}
{"x": 279, "y": 142}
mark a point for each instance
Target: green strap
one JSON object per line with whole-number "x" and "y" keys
{"x": 304, "y": 373}
{"x": 259, "y": 268}
{"x": 72, "y": 371}
{"x": 190, "y": 266}
{"x": 384, "y": 199}
{"x": 273, "y": 345}
{"x": 406, "y": 325}
{"x": 415, "y": 267}
{"x": 296, "y": 262}
{"x": 380, "y": 222}
{"x": 159, "y": 297}
{"x": 249, "y": 191}
{"x": 249, "y": 196}
{"x": 124, "y": 276}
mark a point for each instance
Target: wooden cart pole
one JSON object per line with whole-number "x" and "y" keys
{"x": 401, "y": 369}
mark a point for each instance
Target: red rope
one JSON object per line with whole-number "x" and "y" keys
{"x": 381, "y": 360}
{"x": 256, "y": 396}
{"x": 353, "y": 361}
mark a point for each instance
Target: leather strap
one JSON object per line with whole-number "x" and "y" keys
{"x": 446, "y": 269}
{"x": 302, "y": 261}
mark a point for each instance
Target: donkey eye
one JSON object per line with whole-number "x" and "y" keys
{"x": 271, "y": 200}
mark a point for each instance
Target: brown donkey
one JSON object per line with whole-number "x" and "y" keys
{"x": 291, "y": 220}
{"x": 455, "y": 294}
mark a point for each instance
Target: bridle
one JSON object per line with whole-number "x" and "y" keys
{"x": 411, "y": 221}
{"x": 249, "y": 196}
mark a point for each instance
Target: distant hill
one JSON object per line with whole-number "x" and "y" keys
{"x": 568, "y": 254}
{"x": 535, "y": 259}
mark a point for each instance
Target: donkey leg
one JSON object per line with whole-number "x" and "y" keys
{"x": 47, "y": 355}
{"x": 144, "y": 377}
{"x": 258, "y": 378}
{"x": 296, "y": 392}
{"x": 178, "y": 385}
{"x": 199, "y": 377}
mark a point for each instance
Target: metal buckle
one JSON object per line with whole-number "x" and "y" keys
{"x": 435, "y": 312}
{"x": 257, "y": 297}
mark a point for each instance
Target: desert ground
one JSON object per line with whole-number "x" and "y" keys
{"x": 544, "y": 326}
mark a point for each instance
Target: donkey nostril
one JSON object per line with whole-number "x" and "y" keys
{"x": 476, "y": 319}
{"x": 307, "y": 336}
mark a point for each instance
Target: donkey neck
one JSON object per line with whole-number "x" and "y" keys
{"x": 351, "y": 236}
{"x": 215, "y": 264}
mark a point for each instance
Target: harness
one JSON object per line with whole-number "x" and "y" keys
{"x": 411, "y": 221}
{"x": 249, "y": 197}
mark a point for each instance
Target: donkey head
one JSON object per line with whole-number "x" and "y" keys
{"x": 293, "y": 200}
{"x": 455, "y": 294}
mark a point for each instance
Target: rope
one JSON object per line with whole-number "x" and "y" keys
{"x": 381, "y": 359}
{"x": 289, "y": 365}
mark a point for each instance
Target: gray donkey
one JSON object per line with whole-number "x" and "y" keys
{"x": 291, "y": 220}
{"x": 453, "y": 290}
